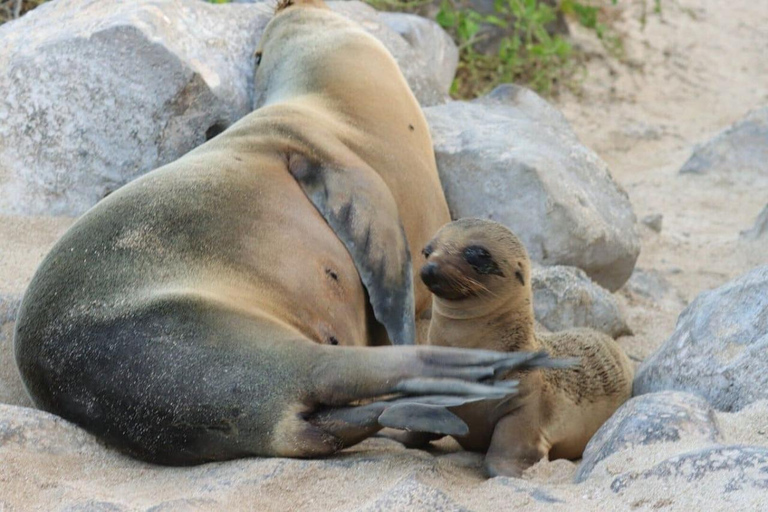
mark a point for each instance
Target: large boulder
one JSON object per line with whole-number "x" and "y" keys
{"x": 739, "y": 153}
{"x": 719, "y": 349}
{"x": 425, "y": 76}
{"x": 513, "y": 158}
{"x": 11, "y": 389}
{"x": 711, "y": 473}
{"x": 94, "y": 93}
{"x": 652, "y": 285}
{"x": 430, "y": 42}
{"x": 666, "y": 417}
{"x": 565, "y": 297}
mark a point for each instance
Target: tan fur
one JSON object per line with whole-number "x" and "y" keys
{"x": 385, "y": 131}
{"x": 558, "y": 411}
{"x": 222, "y": 252}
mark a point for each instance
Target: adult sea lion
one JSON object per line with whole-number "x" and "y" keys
{"x": 480, "y": 275}
{"x": 191, "y": 315}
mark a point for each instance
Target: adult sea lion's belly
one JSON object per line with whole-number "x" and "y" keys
{"x": 238, "y": 233}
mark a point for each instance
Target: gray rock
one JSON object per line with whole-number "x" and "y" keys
{"x": 760, "y": 227}
{"x": 721, "y": 470}
{"x": 738, "y": 153}
{"x": 12, "y": 390}
{"x": 94, "y": 93}
{"x": 513, "y": 158}
{"x": 651, "y": 284}
{"x": 654, "y": 221}
{"x": 35, "y": 431}
{"x": 648, "y": 283}
{"x": 424, "y": 76}
{"x": 428, "y": 40}
{"x": 665, "y": 417}
{"x": 565, "y": 297}
{"x": 719, "y": 349}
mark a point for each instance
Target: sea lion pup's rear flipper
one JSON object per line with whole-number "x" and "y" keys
{"x": 359, "y": 207}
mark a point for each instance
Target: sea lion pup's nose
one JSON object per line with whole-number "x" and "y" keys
{"x": 429, "y": 273}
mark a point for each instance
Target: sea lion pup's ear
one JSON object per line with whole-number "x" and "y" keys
{"x": 360, "y": 209}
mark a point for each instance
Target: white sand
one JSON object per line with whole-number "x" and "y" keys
{"x": 24, "y": 242}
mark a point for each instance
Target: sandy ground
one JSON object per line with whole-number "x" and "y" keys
{"x": 688, "y": 73}
{"x": 25, "y": 242}
{"x": 53, "y": 465}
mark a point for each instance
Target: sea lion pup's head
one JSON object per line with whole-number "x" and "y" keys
{"x": 476, "y": 261}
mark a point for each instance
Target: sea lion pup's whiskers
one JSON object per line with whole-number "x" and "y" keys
{"x": 479, "y": 274}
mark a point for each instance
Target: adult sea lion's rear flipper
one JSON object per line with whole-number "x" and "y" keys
{"x": 434, "y": 419}
{"x": 422, "y": 384}
{"x": 359, "y": 207}
{"x": 427, "y": 414}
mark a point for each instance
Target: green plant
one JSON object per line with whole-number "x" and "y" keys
{"x": 527, "y": 54}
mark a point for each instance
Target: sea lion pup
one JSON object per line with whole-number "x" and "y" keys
{"x": 480, "y": 275}
{"x": 191, "y": 315}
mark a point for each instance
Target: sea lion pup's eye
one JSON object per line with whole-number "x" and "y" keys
{"x": 257, "y": 55}
{"x": 427, "y": 251}
{"x": 481, "y": 260}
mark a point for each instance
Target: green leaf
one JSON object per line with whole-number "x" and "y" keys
{"x": 587, "y": 15}
{"x": 446, "y": 16}
{"x": 468, "y": 28}
{"x": 495, "y": 20}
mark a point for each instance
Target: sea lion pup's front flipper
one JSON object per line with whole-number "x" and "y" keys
{"x": 359, "y": 207}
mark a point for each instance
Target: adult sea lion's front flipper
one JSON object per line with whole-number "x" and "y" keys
{"x": 359, "y": 207}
